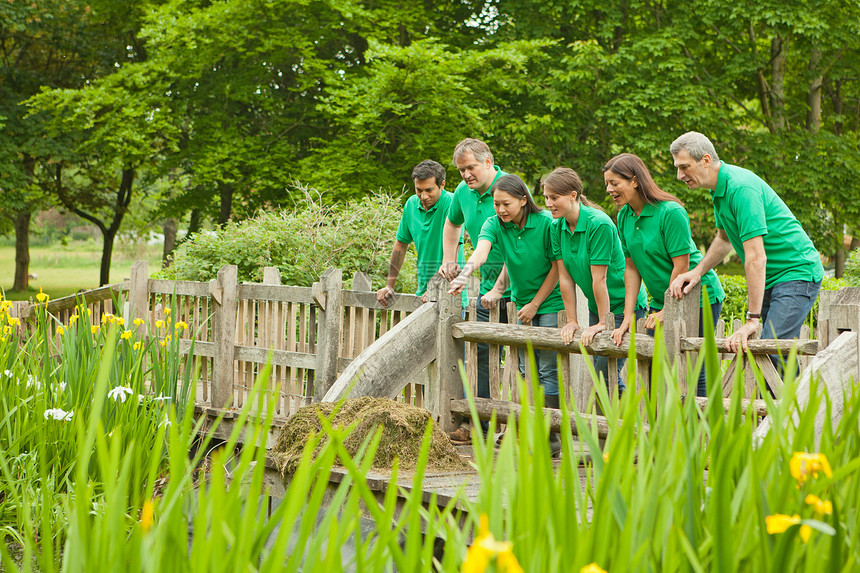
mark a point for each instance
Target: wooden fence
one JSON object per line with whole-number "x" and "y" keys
{"x": 311, "y": 334}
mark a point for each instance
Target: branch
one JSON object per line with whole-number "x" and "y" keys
{"x": 70, "y": 205}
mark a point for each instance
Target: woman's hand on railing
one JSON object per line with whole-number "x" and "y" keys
{"x": 568, "y": 332}
{"x": 458, "y": 284}
{"x": 619, "y": 332}
{"x": 588, "y": 333}
{"x": 653, "y": 319}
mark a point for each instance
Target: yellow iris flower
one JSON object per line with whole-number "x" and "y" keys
{"x": 803, "y": 465}
{"x": 485, "y": 548}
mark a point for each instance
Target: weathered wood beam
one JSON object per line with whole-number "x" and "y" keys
{"x": 384, "y": 367}
{"x": 549, "y": 339}
{"x": 759, "y": 407}
{"x": 758, "y": 346}
{"x": 506, "y": 411}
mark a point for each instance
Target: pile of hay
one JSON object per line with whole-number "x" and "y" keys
{"x": 403, "y": 431}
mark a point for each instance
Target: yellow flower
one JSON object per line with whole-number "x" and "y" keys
{"x": 605, "y": 457}
{"x": 138, "y": 321}
{"x": 147, "y": 515}
{"x": 42, "y": 297}
{"x": 61, "y": 330}
{"x": 592, "y": 568}
{"x": 181, "y": 324}
{"x": 7, "y": 330}
{"x": 120, "y": 320}
{"x": 779, "y": 522}
{"x": 166, "y": 312}
{"x": 14, "y": 321}
{"x": 803, "y": 464}
{"x": 73, "y": 319}
{"x": 105, "y": 317}
{"x": 159, "y": 324}
{"x": 94, "y": 328}
{"x": 485, "y": 548}
{"x": 805, "y": 532}
{"x": 138, "y": 345}
{"x": 125, "y": 335}
{"x": 820, "y": 506}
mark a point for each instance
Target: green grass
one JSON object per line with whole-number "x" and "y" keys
{"x": 64, "y": 270}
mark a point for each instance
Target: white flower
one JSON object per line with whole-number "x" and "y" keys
{"x": 8, "y": 373}
{"x": 62, "y": 386}
{"x": 33, "y": 382}
{"x": 120, "y": 393}
{"x": 141, "y": 397}
{"x": 165, "y": 421}
{"x": 161, "y": 398}
{"x": 58, "y": 414}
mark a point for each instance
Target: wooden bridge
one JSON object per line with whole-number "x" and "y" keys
{"x": 327, "y": 341}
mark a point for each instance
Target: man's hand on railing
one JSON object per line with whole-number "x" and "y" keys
{"x": 527, "y": 313}
{"x": 385, "y": 295}
{"x": 458, "y": 284}
{"x": 619, "y": 332}
{"x": 449, "y": 270}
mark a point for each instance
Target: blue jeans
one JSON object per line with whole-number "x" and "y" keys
{"x": 547, "y": 366}
{"x": 784, "y": 309}
{"x": 601, "y": 363}
{"x": 702, "y": 385}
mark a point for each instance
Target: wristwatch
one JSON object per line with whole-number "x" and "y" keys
{"x": 753, "y": 315}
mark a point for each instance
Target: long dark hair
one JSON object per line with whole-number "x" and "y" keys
{"x": 627, "y": 166}
{"x": 516, "y": 187}
{"x": 566, "y": 181}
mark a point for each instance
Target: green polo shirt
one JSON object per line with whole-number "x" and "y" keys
{"x": 746, "y": 207}
{"x": 424, "y": 228}
{"x": 594, "y": 241}
{"x": 473, "y": 209}
{"x": 528, "y": 254}
{"x": 661, "y": 231}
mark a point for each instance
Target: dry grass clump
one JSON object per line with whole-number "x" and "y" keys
{"x": 403, "y": 430}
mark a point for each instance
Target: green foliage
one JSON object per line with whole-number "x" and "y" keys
{"x": 852, "y": 268}
{"x": 302, "y": 243}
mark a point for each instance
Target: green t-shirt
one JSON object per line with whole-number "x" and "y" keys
{"x": 424, "y": 228}
{"x": 652, "y": 238}
{"x": 474, "y": 209}
{"x": 594, "y": 241}
{"x": 527, "y": 252}
{"x": 746, "y": 207}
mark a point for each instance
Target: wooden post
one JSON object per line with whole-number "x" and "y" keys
{"x": 328, "y": 331}
{"x": 581, "y": 383}
{"x": 223, "y": 291}
{"x": 138, "y": 296}
{"x": 447, "y": 383}
{"x": 680, "y": 319}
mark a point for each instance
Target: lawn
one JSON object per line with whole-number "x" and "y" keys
{"x": 62, "y": 270}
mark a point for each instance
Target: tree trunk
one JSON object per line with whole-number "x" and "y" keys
{"x": 22, "y": 250}
{"x": 194, "y": 223}
{"x": 108, "y": 236}
{"x": 778, "y": 51}
{"x": 169, "y": 241}
{"x": 226, "y": 192}
{"x": 836, "y": 98}
{"x": 840, "y": 258}
{"x": 813, "y": 94}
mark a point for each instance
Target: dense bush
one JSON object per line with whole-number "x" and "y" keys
{"x": 302, "y": 243}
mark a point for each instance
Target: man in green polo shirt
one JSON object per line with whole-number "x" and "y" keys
{"x": 783, "y": 269}
{"x": 422, "y": 221}
{"x": 472, "y": 206}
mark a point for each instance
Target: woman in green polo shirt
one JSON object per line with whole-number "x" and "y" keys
{"x": 656, "y": 240}
{"x": 521, "y": 233}
{"x": 586, "y": 241}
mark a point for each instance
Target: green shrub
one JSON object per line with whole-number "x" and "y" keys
{"x": 852, "y": 268}
{"x": 735, "y": 304}
{"x": 302, "y": 243}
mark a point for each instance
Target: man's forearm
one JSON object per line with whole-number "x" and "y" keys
{"x": 719, "y": 250}
{"x": 450, "y": 241}
{"x": 398, "y": 255}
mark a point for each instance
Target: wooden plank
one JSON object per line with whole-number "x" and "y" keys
{"x": 757, "y": 346}
{"x": 275, "y": 293}
{"x": 403, "y": 302}
{"x": 495, "y": 381}
{"x": 190, "y": 288}
{"x": 328, "y": 333}
{"x": 506, "y": 411}
{"x": 549, "y": 339}
{"x": 680, "y": 319}
{"x": 224, "y": 331}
